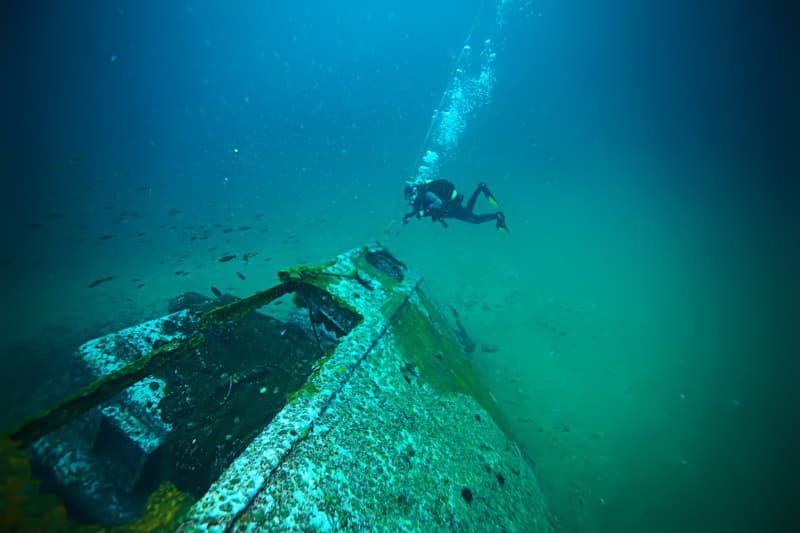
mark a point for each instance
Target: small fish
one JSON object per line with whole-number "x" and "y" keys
{"x": 179, "y": 272}
{"x": 106, "y": 237}
{"x": 139, "y": 286}
{"x": 174, "y": 211}
{"x": 244, "y": 228}
{"x": 217, "y": 292}
{"x": 227, "y": 230}
{"x": 248, "y": 255}
{"x": 97, "y": 282}
{"x": 226, "y": 258}
{"x": 134, "y": 280}
{"x": 241, "y": 276}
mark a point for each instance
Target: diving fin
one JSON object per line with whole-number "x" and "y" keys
{"x": 501, "y": 222}
{"x": 489, "y": 196}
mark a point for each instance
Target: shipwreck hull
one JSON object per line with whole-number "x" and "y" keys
{"x": 362, "y": 413}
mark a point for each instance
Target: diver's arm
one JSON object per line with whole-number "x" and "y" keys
{"x": 434, "y": 202}
{"x": 422, "y": 207}
{"x": 435, "y": 208}
{"x": 430, "y": 206}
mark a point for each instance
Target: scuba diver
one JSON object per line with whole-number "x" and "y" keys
{"x": 439, "y": 200}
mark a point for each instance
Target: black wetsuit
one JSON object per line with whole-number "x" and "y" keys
{"x": 439, "y": 199}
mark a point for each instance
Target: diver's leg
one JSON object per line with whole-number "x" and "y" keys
{"x": 482, "y": 188}
{"x": 472, "y": 218}
{"x": 474, "y": 198}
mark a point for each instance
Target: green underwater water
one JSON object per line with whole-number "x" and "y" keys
{"x": 622, "y": 327}
{"x": 627, "y": 325}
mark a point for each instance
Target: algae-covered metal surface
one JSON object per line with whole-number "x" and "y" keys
{"x": 360, "y": 411}
{"x": 396, "y": 433}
